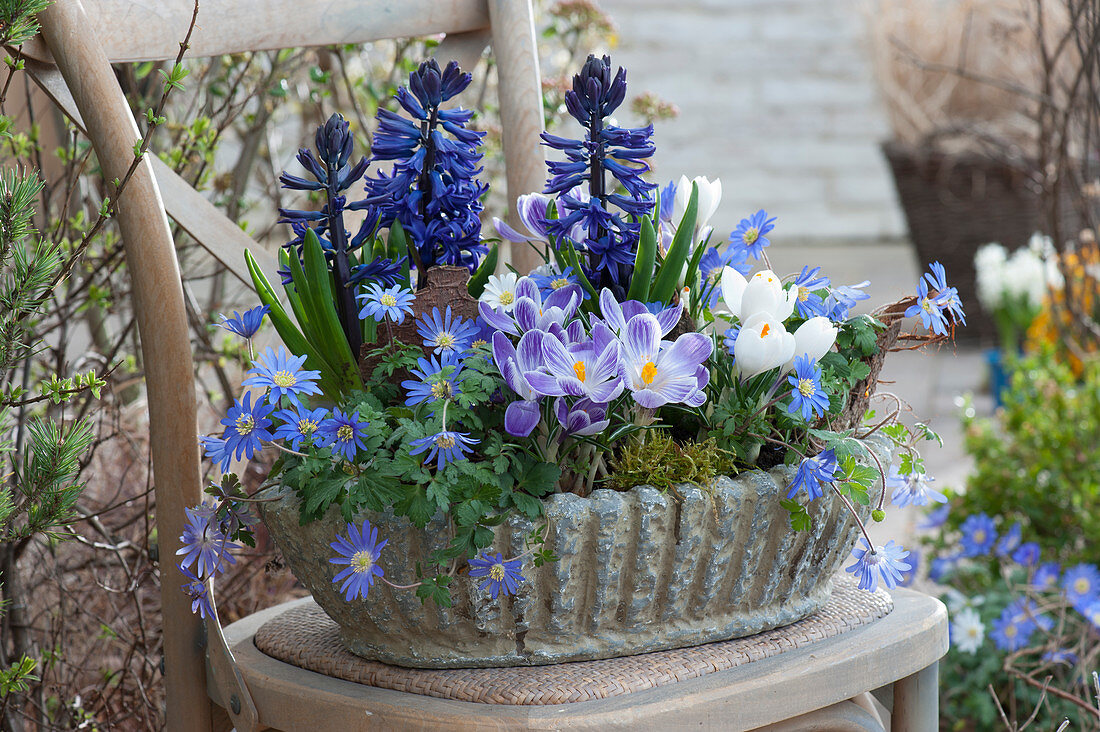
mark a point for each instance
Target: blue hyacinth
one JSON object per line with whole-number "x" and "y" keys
{"x": 431, "y": 190}
{"x": 596, "y": 218}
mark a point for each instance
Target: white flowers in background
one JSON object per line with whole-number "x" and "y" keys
{"x": 967, "y": 630}
{"x": 1011, "y": 287}
{"x": 500, "y": 292}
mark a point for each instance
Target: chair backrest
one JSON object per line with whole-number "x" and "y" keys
{"x": 72, "y": 63}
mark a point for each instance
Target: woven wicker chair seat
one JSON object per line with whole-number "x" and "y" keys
{"x": 305, "y": 637}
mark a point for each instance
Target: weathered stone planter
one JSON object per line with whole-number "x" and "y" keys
{"x": 639, "y": 571}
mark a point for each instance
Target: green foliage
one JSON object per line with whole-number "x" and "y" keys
{"x": 1036, "y": 460}
{"x": 16, "y": 678}
{"x": 17, "y": 21}
{"x": 655, "y": 458}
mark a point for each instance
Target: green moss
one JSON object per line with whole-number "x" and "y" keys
{"x": 654, "y": 458}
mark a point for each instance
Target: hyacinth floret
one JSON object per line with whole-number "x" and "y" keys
{"x": 431, "y": 189}
{"x": 591, "y": 215}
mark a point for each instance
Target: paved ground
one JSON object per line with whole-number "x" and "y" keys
{"x": 930, "y": 382}
{"x": 776, "y": 98}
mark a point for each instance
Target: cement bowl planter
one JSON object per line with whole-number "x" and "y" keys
{"x": 639, "y": 571}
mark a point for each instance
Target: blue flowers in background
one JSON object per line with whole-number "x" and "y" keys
{"x": 500, "y": 574}
{"x": 359, "y": 552}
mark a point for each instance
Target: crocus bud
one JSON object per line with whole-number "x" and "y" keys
{"x": 813, "y": 338}
{"x": 762, "y": 344}
{"x": 710, "y": 195}
{"x": 733, "y": 288}
{"x": 765, "y": 294}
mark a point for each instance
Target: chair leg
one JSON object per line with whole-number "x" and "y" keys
{"x": 847, "y": 716}
{"x": 917, "y": 702}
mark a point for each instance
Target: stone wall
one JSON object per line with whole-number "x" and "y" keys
{"x": 776, "y": 98}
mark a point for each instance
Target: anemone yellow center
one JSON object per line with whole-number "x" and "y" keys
{"x": 306, "y": 426}
{"x": 345, "y": 433}
{"x": 1081, "y": 586}
{"x": 578, "y": 369}
{"x": 649, "y": 372}
{"x": 245, "y": 424}
{"x": 284, "y": 379}
{"x": 445, "y": 340}
{"x": 507, "y": 298}
{"x": 559, "y": 283}
{"x": 445, "y": 441}
{"x": 1010, "y": 631}
{"x": 479, "y": 342}
{"x": 751, "y": 235}
{"x": 803, "y": 293}
{"x": 441, "y": 390}
{"x": 972, "y": 631}
{"x": 361, "y": 562}
{"x": 806, "y": 387}
{"x": 388, "y": 300}
{"x": 496, "y": 572}
{"x": 979, "y": 536}
{"x": 926, "y": 305}
{"x": 764, "y": 330}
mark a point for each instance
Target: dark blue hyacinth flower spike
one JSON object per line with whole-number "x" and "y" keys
{"x": 598, "y": 220}
{"x": 332, "y": 171}
{"x": 432, "y": 189}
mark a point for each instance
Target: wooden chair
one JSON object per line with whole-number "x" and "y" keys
{"x": 72, "y": 63}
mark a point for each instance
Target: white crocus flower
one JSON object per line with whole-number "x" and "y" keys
{"x": 989, "y": 265}
{"x": 710, "y": 195}
{"x": 762, "y": 345}
{"x": 967, "y": 630}
{"x": 813, "y": 338}
{"x": 500, "y": 292}
{"x": 733, "y": 286}
{"x": 765, "y": 293}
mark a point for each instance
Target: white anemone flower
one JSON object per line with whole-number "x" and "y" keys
{"x": 500, "y": 292}
{"x": 967, "y": 630}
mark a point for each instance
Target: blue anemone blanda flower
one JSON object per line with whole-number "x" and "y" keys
{"x": 1027, "y": 554}
{"x": 930, "y": 309}
{"x": 436, "y": 379}
{"x": 445, "y": 334}
{"x": 751, "y": 233}
{"x": 360, "y": 552}
{"x": 1047, "y": 575}
{"x": 390, "y": 304}
{"x": 885, "y": 562}
{"x": 949, "y": 296}
{"x": 1010, "y": 632}
{"x": 1009, "y": 541}
{"x": 978, "y": 535}
{"x": 814, "y": 474}
{"x": 807, "y": 395}
{"x": 808, "y": 283}
{"x": 203, "y": 543}
{"x": 247, "y": 323}
{"x": 1082, "y": 584}
{"x": 299, "y": 425}
{"x": 199, "y": 593}
{"x": 501, "y": 575}
{"x": 547, "y": 283}
{"x": 246, "y": 427}
{"x": 215, "y": 449}
{"x": 445, "y": 446}
{"x": 283, "y": 376}
{"x": 342, "y": 432}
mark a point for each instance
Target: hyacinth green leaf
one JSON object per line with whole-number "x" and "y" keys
{"x": 644, "y": 262}
{"x": 669, "y": 272}
{"x": 288, "y": 331}
{"x": 320, "y": 301}
{"x": 481, "y": 276}
{"x": 397, "y": 248}
{"x": 293, "y": 297}
{"x": 573, "y": 261}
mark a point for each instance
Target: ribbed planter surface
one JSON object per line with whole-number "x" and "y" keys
{"x": 639, "y": 571}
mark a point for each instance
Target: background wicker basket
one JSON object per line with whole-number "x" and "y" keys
{"x": 954, "y": 203}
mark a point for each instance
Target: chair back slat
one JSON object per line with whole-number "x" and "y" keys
{"x": 151, "y": 30}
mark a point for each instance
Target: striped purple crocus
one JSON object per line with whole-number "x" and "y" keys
{"x": 521, "y": 368}
{"x": 584, "y": 370}
{"x": 531, "y": 312}
{"x": 658, "y": 372}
